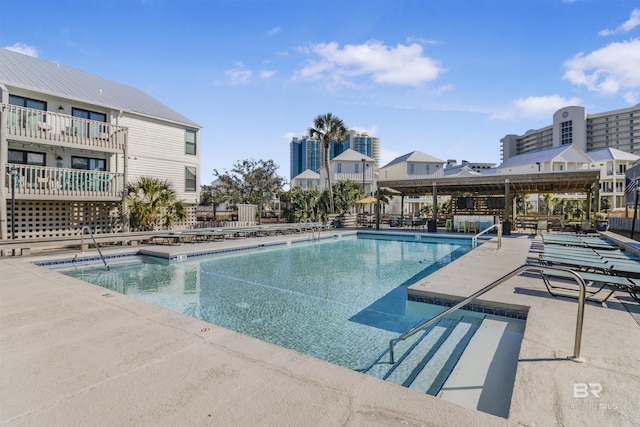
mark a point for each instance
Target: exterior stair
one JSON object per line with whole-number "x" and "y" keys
{"x": 427, "y": 358}
{"x": 470, "y": 361}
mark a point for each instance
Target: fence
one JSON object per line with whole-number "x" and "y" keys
{"x": 623, "y": 224}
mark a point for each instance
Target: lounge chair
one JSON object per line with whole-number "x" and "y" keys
{"x": 169, "y": 238}
{"x": 612, "y": 282}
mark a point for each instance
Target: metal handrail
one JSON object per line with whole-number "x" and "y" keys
{"x": 86, "y": 227}
{"x": 526, "y": 267}
{"x": 498, "y": 226}
{"x": 309, "y": 224}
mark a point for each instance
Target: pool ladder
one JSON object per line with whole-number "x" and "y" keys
{"x": 86, "y": 227}
{"x": 311, "y": 225}
{"x": 526, "y": 267}
{"x": 474, "y": 239}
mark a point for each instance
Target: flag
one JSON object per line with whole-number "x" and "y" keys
{"x": 630, "y": 187}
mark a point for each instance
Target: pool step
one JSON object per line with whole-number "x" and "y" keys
{"x": 427, "y": 361}
{"x": 487, "y": 367}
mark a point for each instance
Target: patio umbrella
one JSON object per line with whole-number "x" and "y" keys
{"x": 368, "y": 201}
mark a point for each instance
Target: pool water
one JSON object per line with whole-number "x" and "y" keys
{"x": 340, "y": 300}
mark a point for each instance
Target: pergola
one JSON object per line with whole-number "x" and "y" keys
{"x": 499, "y": 185}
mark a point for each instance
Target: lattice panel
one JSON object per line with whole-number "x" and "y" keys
{"x": 191, "y": 221}
{"x": 37, "y": 219}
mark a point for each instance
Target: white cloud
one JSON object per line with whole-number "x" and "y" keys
{"x": 608, "y": 71}
{"x": 239, "y": 77}
{"x": 23, "y": 49}
{"x": 267, "y": 74}
{"x": 290, "y": 135}
{"x": 421, "y": 41}
{"x": 625, "y": 27}
{"x": 537, "y": 107}
{"x": 342, "y": 66}
{"x": 274, "y": 31}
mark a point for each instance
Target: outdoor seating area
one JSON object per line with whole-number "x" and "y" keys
{"x": 600, "y": 263}
{"x": 210, "y": 235}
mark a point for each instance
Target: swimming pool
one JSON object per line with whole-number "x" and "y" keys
{"x": 339, "y": 300}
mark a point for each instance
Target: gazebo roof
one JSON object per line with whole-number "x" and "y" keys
{"x": 550, "y": 182}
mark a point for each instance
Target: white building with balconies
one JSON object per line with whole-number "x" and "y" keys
{"x": 70, "y": 142}
{"x": 353, "y": 166}
{"x": 611, "y": 163}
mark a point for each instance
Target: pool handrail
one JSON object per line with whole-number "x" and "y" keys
{"x": 86, "y": 227}
{"x": 498, "y": 226}
{"x": 525, "y": 267}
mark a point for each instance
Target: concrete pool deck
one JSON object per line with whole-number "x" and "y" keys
{"x": 77, "y": 354}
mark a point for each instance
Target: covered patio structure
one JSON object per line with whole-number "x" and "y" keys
{"x": 494, "y": 195}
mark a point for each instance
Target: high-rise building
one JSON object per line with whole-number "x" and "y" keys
{"x": 572, "y": 125}
{"x": 306, "y": 153}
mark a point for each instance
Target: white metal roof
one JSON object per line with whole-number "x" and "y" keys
{"x": 308, "y": 174}
{"x": 612, "y": 154}
{"x": 352, "y": 156}
{"x": 414, "y": 156}
{"x": 27, "y": 72}
{"x": 569, "y": 153}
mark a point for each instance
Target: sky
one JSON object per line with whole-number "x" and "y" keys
{"x": 447, "y": 78}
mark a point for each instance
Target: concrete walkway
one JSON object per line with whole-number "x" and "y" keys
{"x": 76, "y": 354}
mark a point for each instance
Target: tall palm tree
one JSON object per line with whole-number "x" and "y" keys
{"x": 327, "y": 128}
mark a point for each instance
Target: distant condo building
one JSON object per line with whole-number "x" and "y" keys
{"x": 308, "y": 154}
{"x": 572, "y": 125}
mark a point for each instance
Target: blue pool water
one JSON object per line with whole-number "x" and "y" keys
{"x": 340, "y": 300}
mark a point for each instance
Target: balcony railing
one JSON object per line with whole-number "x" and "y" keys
{"x": 50, "y": 181}
{"x": 355, "y": 177}
{"x": 437, "y": 174}
{"x": 61, "y": 129}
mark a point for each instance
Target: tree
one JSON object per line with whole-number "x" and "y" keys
{"x": 302, "y": 204}
{"x": 152, "y": 203}
{"x": 327, "y": 128}
{"x": 212, "y": 195}
{"x": 346, "y": 194}
{"x": 250, "y": 181}
{"x": 548, "y": 201}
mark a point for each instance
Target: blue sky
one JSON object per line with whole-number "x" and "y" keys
{"x": 448, "y": 78}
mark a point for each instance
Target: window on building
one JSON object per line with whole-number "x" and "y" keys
{"x": 88, "y": 163}
{"x": 356, "y": 168}
{"x": 566, "y": 132}
{"x": 85, "y": 128}
{"x": 339, "y": 167}
{"x": 190, "y": 178}
{"x": 21, "y": 101}
{"x": 27, "y": 158}
{"x": 26, "y": 119}
{"x": 412, "y": 169}
{"x": 190, "y": 141}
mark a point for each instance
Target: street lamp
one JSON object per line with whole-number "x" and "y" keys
{"x": 363, "y": 190}
{"x": 14, "y": 172}
{"x": 538, "y": 208}
{"x": 377, "y": 174}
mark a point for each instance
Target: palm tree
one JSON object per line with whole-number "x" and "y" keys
{"x": 327, "y": 128}
{"x": 548, "y": 200}
{"x": 152, "y": 203}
